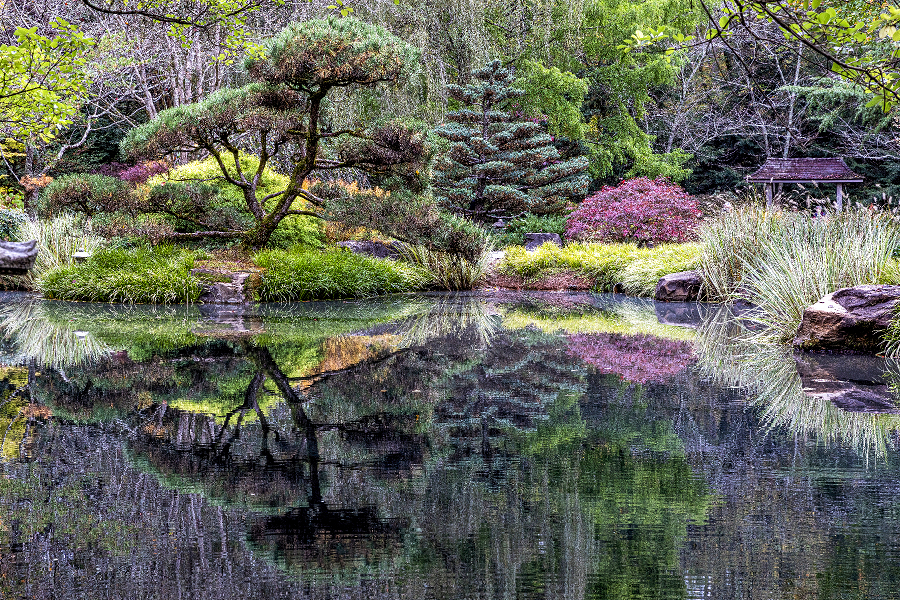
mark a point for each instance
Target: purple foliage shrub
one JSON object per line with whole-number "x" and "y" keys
{"x": 141, "y": 172}
{"x": 637, "y": 210}
{"x": 111, "y": 169}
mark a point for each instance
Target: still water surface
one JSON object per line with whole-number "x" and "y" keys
{"x": 447, "y": 447}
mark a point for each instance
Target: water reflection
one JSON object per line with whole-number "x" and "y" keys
{"x": 838, "y": 400}
{"x": 536, "y": 446}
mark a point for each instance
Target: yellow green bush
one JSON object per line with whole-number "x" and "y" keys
{"x": 637, "y": 269}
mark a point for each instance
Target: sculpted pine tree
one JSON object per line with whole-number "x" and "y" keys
{"x": 282, "y": 113}
{"x": 498, "y": 164}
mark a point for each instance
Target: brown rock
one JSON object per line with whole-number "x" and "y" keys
{"x": 679, "y": 287}
{"x": 850, "y": 319}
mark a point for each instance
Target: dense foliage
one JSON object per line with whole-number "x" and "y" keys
{"x": 638, "y": 210}
{"x": 500, "y": 165}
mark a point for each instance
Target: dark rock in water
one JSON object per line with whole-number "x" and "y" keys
{"x": 687, "y": 314}
{"x": 533, "y": 241}
{"x": 852, "y": 383}
{"x": 679, "y": 287}
{"x": 17, "y": 258}
{"x": 374, "y": 249}
{"x": 850, "y": 319}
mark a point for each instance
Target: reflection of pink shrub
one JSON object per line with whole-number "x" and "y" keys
{"x": 638, "y": 210}
{"x": 638, "y": 358}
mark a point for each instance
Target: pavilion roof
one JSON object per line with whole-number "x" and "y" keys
{"x": 805, "y": 170}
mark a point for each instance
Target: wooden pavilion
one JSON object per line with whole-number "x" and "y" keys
{"x": 805, "y": 170}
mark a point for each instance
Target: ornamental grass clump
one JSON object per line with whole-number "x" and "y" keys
{"x": 301, "y": 274}
{"x": 159, "y": 275}
{"x": 640, "y": 210}
{"x": 784, "y": 262}
{"x": 448, "y": 271}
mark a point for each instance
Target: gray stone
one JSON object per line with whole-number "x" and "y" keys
{"x": 679, "y": 287}
{"x": 533, "y": 241}
{"x": 850, "y": 319}
{"x": 17, "y": 258}
{"x": 224, "y": 292}
{"x": 369, "y": 248}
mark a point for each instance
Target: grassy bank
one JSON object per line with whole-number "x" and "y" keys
{"x": 159, "y": 275}
{"x": 300, "y": 274}
{"x": 637, "y": 270}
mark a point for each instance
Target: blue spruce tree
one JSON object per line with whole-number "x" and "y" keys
{"x": 500, "y": 164}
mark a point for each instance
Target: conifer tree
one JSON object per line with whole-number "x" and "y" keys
{"x": 500, "y": 164}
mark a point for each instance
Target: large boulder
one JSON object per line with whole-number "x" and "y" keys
{"x": 679, "y": 287}
{"x": 533, "y": 241}
{"x": 17, "y": 258}
{"x": 850, "y": 319}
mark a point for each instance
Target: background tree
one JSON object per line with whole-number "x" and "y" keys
{"x": 498, "y": 164}
{"x": 284, "y": 114}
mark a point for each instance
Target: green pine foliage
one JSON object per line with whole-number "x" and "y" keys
{"x": 500, "y": 164}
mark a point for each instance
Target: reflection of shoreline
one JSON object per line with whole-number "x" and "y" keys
{"x": 834, "y": 399}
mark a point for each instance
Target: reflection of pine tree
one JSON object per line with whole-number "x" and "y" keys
{"x": 498, "y": 165}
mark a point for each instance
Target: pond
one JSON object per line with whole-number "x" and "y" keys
{"x": 438, "y": 446}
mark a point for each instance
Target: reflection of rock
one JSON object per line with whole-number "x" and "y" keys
{"x": 17, "y": 258}
{"x": 848, "y": 319}
{"x": 533, "y": 241}
{"x": 234, "y": 319}
{"x": 852, "y": 383}
{"x": 681, "y": 314}
{"x": 368, "y": 248}
{"x": 679, "y": 287}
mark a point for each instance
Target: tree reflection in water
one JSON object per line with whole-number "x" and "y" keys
{"x": 443, "y": 447}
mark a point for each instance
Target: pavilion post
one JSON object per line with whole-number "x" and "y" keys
{"x": 769, "y": 195}
{"x": 840, "y": 197}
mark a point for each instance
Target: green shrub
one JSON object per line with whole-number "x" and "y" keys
{"x": 514, "y": 233}
{"x": 200, "y": 188}
{"x": 159, "y": 275}
{"x": 302, "y": 274}
{"x": 10, "y": 221}
{"x": 448, "y": 271}
{"x": 784, "y": 262}
{"x": 637, "y": 269}
{"x": 83, "y": 193}
{"x": 644, "y": 272}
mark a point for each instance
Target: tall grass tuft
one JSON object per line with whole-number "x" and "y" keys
{"x": 57, "y": 240}
{"x": 784, "y": 262}
{"x": 302, "y": 274}
{"x": 448, "y": 271}
{"x": 159, "y": 275}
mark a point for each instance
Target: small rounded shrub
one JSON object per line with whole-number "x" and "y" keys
{"x": 639, "y": 210}
{"x": 83, "y": 193}
{"x": 10, "y": 220}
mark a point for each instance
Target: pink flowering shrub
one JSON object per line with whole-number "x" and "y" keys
{"x": 140, "y": 173}
{"x": 637, "y": 358}
{"x": 638, "y": 210}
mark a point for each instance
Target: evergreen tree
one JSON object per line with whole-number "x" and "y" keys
{"x": 500, "y": 164}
